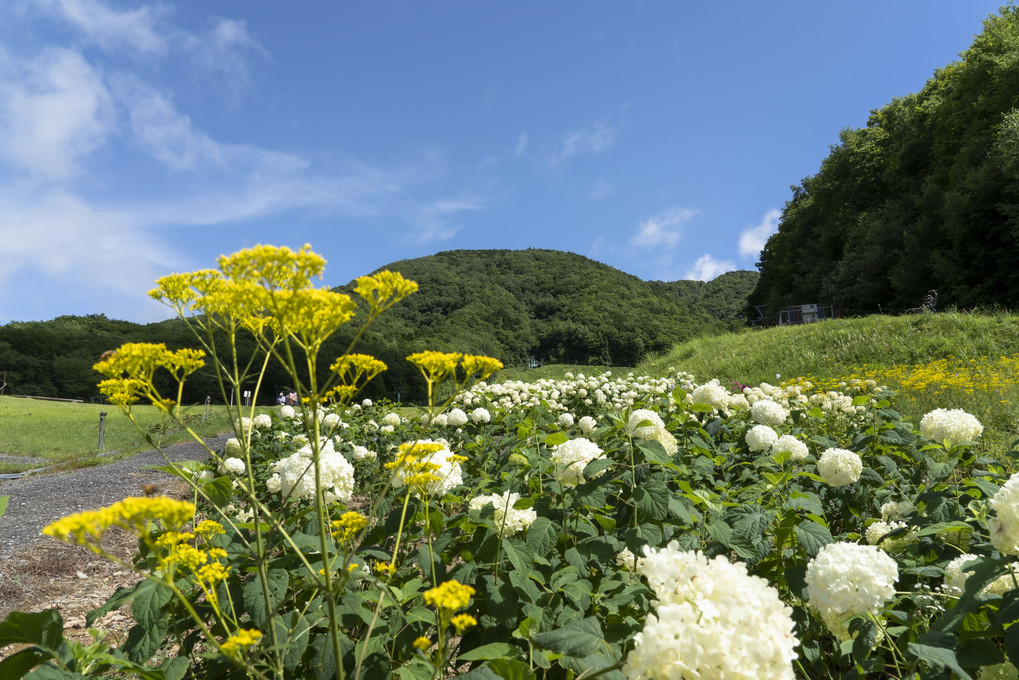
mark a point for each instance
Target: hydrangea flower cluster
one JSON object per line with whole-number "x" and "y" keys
{"x": 846, "y": 580}
{"x": 955, "y": 577}
{"x": 456, "y": 418}
{"x": 711, "y": 394}
{"x": 233, "y": 466}
{"x": 839, "y": 467}
{"x": 712, "y": 620}
{"x": 363, "y": 453}
{"x": 570, "y": 458}
{"x": 761, "y": 438}
{"x": 565, "y": 420}
{"x": 768, "y": 412}
{"x": 295, "y": 474}
{"x": 787, "y": 443}
{"x": 587, "y": 425}
{"x": 879, "y": 528}
{"x": 509, "y": 519}
{"x": 262, "y": 421}
{"x": 950, "y": 426}
{"x": 1004, "y": 526}
{"x": 655, "y": 430}
{"x": 896, "y": 510}
{"x": 481, "y": 415}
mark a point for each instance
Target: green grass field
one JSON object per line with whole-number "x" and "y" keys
{"x": 49, "y": 432}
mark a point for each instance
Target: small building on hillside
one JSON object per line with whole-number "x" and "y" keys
{"x": 804, "y": 314}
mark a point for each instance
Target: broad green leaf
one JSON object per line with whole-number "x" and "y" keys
{"x": 501, "y": 669}
{"x": 47, "y": 672}
{"x": 293, "y": 633}
{"x": 219, "y": 491}
{"x": 43, "y": 629}
{"x": 937, "y": 649}
{"x": 580, "y": 638}
{"x": 149, "y": 599}
{"x": 254, "y": 596}
{"x": 555, "y": 439}
{"x": 144, "y": 641}
{"x": 812, "y": 536}
{"x": 493, "y": 650}
{"x": 16, "y": 665}
{"x": 652, "y": 498}
{"x": 542, "y": 535}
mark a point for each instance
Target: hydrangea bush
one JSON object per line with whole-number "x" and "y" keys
{"x": 597, "y": 526}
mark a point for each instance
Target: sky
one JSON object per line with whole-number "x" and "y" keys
{"x": 139, "y": 139}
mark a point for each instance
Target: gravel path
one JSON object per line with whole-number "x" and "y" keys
{"x": 38, "y": 500}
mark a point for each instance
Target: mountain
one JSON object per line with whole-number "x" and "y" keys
{"x": 926, "y": 196}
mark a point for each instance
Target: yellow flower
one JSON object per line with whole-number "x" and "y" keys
{"x": 239, "y": 642}
{"x": 385, "y": 568}
{"x": 449, "y": 597}
{"x": 435, "y": 366}
{"x": 209, "y": 528}
{"x": 131, "y": 513}
{"x": 213, "y": 573}
{"x": 481, "y": 366}
{"x": 422, "y": 643}
{"x": 383, "y": 290}
{"x": 347, "y": 527}
{"x": 312, "y": 314}
{"x": 354, "y": 371}
{"x": 274, "y": 268}
{"x": 463, "y": 621}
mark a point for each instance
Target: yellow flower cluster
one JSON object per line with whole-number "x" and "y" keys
{"x": 129, "y": 370}
{"x": 435, "y": 366}
{"x": 354, "y": 371}
{"x": 383, "y": 290}
{"x": 348, "y": 526}
{"x": 449, "y": 597}
{"x": 422, "y": 643}
{"x": 463, "y": 622}
{"x": 438, "y": 366}
{"x": 312, "y": 314}
{"x": 273, "y": 268}
{"x": 238, "y": 643}
{"x": 136, "y": 514}
{"x": 414, "y": 467}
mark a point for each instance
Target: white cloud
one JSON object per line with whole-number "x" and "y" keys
{"x": 433, "y": 218}
{"x": 752, "y": 239}
{"x": 137, "y": 29}
{"x": 225, "y": 50}
{"x": 707, "y": 267}
{"x": 521, "y": 146}
{"x": 663, "y": 230}
{"x": 595, "y": 139}
{"x": 601, "y": 188}
{"x": 53, "y": 112}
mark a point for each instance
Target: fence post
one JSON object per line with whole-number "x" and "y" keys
{"x": 102, "y": 422}
{"x": 208, "y": 400}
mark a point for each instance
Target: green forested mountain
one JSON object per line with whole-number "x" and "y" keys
{"x": 542, "y": 304}
{"x": 926, "y": 196}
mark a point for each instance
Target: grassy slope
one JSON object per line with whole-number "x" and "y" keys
{"x": 831, "y": 348}
{"x": 55, "y": 432}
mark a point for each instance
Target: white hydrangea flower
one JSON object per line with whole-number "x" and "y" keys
{"x": 232, "y": 447}
{"x": 713, "y": 620}
{"x": 711, "y": 393}
{"x": 234, "y": 466}
{"x": 565, "y": 420}
{"x": 656, "y": 430}
{"x": 262, "y": 421}
{"x": 1004, "y": 526}
{"x": 387, "y": 429}
{"x": 846, "y": 580}
{"x": 950, "y": 426}
{"x": 878, "y": 529}
{"x": 287, "y": 412}
{"x": 301, "y": 439}
{"x": 761, "y": 438}
{"x": 245, "y": 425}
{"x": 481, "y": 415}
{"x": 570, "y": 458}
{"x": 456, "y": 417}
{"x": 332, "y": 421}
{"x": 955, "y": 577}
{"x": 839, "y": 467}
{"x": 515, "y": 520}
{"x": 768, "y": 412}
{"x": 297, "y": 474}
{"x": 274, "y": 484}
{"x": 738, "y": 402}
{"x": 391, "y": 419}
{"x": 787, "y": 443}
{"x": 627, "y": 560}
{"x": 587, "y": 424}
{"x": 893, "y": 510}
{"x": 367, "y": 403}
{"x": 363, "y": 453}
{"x": 1004, "y": 583}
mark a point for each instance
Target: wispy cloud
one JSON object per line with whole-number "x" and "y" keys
{"x": 595, "y": 139}
{"x": 707, "y": 267}
{"x": 521, "y": 146}
{"x": 54, "y": 111}
{"x": 752, "y": 239}
{"x": 601, "y": 188}
{"x": 135, "y": 29}
{"x": 664, "y": 230}
{"x": 435, "y": 220}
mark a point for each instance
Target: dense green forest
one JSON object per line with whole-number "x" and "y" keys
{"x": 926, "y": 196}
{"x": 545, "y": 305}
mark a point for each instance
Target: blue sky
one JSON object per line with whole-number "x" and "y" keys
{"x": 143, "y": 138}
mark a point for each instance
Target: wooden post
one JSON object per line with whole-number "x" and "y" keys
{"x": 102, "y": 419}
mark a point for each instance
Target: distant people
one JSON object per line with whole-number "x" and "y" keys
{"x": 282, "y": 399}
{"x": 292, "y": 399}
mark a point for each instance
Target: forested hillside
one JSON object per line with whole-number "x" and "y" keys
{"x": 926, "y": 196}
{"x": 546, "y": 305}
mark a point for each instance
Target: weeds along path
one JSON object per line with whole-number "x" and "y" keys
{"x": 38, "y": 500}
